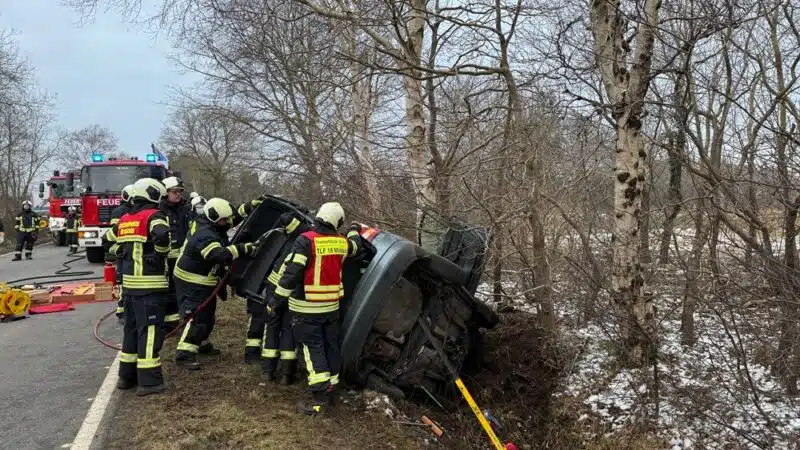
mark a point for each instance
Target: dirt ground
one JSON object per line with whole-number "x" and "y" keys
{"x": 226, "y": 405}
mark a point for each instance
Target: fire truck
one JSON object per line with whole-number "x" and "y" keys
{"x": 59, "y": 200}
{"x": 101, "y": 183}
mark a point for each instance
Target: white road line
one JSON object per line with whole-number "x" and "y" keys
{"x": 83, "y": 440}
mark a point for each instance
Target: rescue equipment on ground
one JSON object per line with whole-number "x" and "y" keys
{"x": 13, "y": 302}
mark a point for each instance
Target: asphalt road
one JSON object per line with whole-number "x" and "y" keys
{"x": 50, "y": 365}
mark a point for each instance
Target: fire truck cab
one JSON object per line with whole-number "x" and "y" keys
{"x": 59, "y": 200}
{"x": 101, "y": 184}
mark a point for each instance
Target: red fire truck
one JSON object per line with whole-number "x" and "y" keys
{"x": 101, "y": 183}
{"x": 59, "y": 199}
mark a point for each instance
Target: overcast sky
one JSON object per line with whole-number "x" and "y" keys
{"x": 105, "y": 72}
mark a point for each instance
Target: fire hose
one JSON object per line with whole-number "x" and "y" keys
{"x": 62, "y": 273}
{"x": 213, "y": 295}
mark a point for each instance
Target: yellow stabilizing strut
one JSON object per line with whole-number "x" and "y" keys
{"x": 14, "y": 302}
{"x": 463, "y": 389}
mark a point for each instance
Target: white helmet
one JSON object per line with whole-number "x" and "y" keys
{"x": 173, "y": 183}
{"x": 194, "y": 195}
{"x": 217, "y": 208}
{"x": 71, "y": 209}
{"x": 332, "y": 214}
{"x": 197, "y": 200}
{"x": 149, "y": 189}
{"x": 27, "y": 203}
{"x": 127, "y": 193}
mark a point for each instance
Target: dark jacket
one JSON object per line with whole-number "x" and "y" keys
{"x": 144, "y": 268}
{"x": 119, "y": 211}
{"x": 73, "y": 221}
{"x": 27, "y": 222}
{"x": 179, "y": 219}
{"x": 294, "y": 227}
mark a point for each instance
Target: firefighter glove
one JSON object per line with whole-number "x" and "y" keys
{"x": 251, "y": 248}
{"x": 354, "y": 227}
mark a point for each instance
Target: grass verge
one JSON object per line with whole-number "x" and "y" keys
{"x": 226, "y": 405}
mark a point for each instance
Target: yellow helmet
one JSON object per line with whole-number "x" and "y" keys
{"x": 149, "y": 189}
{"x": 217, "y": 208}
{"x": 331, "y": 213}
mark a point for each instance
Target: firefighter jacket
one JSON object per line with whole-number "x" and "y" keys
{"x": 294, "y": 228}
{"x": 27, "y": 222}
{"x": 73, "y": 222}
{"x": 178, "y": 215}
{"x": 204, "y": 250}
{"x": 312, "y": 279}
{"x": 143, "y": 239}
{"x": 119, "y": 211}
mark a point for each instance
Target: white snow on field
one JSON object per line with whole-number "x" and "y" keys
{"x": 708, "y": 397}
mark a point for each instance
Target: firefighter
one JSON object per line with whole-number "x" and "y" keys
{"x": 312, "y": 286}
{"x": 205, "y": 250}
{"x": 2, "y": 233}
{"x": 27, "y": 226}
{"x": 198, "y": 203}
{"x": 177, "y": 210}
{"x": 73, "y": 221}
{"x": 278, "y": 350}
{"x": 143, "y": 240}
{"x": 123, "y": 208}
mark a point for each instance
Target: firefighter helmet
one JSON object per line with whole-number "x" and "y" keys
{"x": 194, "y": 195}
{"x": 198, "y": 200}
{"x": 217, "y": 208}
{"x": 149, "y": 189}
{"x": 127, "y": 193}
{"x": 332, "y": 214}
{"x": 27, "y": 204}
{"x": 71, "y": 209}
{"x": 173, "y": 183}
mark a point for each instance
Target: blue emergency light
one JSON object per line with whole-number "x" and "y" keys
{"x": 151, "y": 157}
{"x": 97, "y": 157}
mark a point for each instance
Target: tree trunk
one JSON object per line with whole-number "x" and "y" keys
{"x": 415, "y": 126}
{"x": 360, "y": 95}
{"x": 674, "y": 194}
{"x": 692, "y": 293}
{"x": 626, "y": 88}
{"x": 644, "y": 233}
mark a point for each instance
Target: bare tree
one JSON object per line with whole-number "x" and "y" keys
{"x": 77, "y": 146}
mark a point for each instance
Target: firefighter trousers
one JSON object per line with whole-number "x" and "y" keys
{"x": 26, "y": 241}
{"x": 278, "y": 341}
{"x": 143, "y": 336}
{"x": 317, "y": 336}
{"x": 255, "y": 331}
{"x": 121, "y": 300}
{"x": 171, "y": 315}
{"x": 199, "y": 328}
{"x": 72, "y": 240}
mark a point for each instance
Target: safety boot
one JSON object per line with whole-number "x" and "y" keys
{"x": 17, "y": 258}
{"x": 207, "y": 348}
{"x": 187, "y": 360}
{"x": 125, "y": 383}
{"x": 29, "y": 256}
{"x": 143, "y": 391}
{"x": 252, "y": 355}
{"x": 320, "y": 400}
{"x": 287, "y": 368}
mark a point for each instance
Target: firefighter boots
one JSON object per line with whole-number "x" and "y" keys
{"x": 207, "y": 348}
{"x": 16, "y": 258}
{"x": 125, "y": 383}
{"x": 318, "y": 402}
{"x": 187, "y": 360}
{"x": 150, "y": 390}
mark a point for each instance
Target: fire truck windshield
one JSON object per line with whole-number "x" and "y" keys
{"x": 110, "y": 179}
{"x": 58, "y": 188}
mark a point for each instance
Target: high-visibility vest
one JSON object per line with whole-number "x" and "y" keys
{"x": 322, "y": 279}
{"x": 145, "y": 266}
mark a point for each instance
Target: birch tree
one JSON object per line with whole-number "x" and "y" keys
{"x": 626, "y": 75}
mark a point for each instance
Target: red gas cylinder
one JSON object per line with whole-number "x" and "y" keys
{"x": 109, "y": 273}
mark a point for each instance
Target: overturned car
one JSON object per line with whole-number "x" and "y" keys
{"x": 388, "y": 292}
